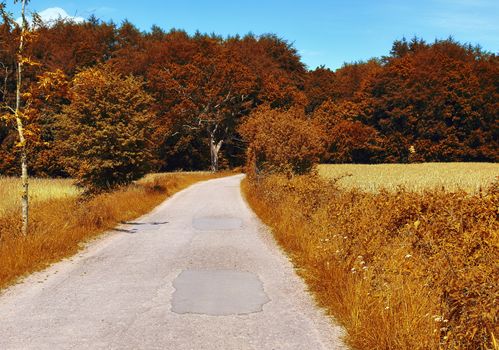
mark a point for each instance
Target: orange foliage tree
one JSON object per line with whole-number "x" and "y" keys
{"x": 212, "y": 90}
{"x": 204, "y": 85}
{"x": 320, "y": 86}
{"x": 354, "y": 142}
{"x": 48, "y": 97}
{"x": 281, "y": 141}
{"x": 438, "y": 100}
{"x": 104, "y": 132}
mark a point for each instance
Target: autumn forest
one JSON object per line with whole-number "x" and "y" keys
{"x": 189, "y": 98}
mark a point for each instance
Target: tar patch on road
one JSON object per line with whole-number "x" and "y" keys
{"x": 217, "y": 223}
{"x": 218, "y": 293}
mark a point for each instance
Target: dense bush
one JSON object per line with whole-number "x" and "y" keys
{"x": 354, "y": 142}
{"x": 104, "y": 132}
{"x": 282, "y": 141}
{"x": 347, "y": 139}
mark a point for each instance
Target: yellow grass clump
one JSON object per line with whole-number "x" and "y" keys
{"x": 399, "y": 269}
{"x": 470, "y": 177}
{"x": 60, "y": 224}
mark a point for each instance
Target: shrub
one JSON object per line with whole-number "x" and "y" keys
{"x": 105, "y": 130}
{"x": 282, "y": 141}
{"x": 353, "y": 142}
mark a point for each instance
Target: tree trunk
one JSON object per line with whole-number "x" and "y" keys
{"x": 24, "y": 158}
{"x": 20, "y": 128}
{"x": 24, "y": 169}
{"x": 214, "y": 149}
{"x": 25, "y": 193}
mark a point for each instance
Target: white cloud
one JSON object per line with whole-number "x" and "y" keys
{"x": 53, "y": 14}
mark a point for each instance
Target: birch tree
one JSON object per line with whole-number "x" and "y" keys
{"x": 16, "y": 112}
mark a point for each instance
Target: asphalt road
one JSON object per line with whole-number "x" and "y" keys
{"x": 199, "y": 272}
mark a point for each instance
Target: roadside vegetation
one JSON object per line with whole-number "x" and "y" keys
{"x": 399, "y": 269}
{"x": 40, "y": 190}
{"x": 61, "y": 221}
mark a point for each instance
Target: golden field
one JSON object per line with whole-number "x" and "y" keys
{"x": 40, "y": 190}
{"x": 470, "y": 177}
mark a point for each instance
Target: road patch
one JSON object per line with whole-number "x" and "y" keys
{"x": 218, "y": 293}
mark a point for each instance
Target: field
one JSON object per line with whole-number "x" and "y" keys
{"x": 411, "y": 269}
{"x": 40, "y": 190}
{"x": 470, "y": 177}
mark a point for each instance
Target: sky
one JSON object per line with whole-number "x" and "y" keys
{"x": 325, "y": 32}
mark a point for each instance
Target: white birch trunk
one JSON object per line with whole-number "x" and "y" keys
{"x": 214, "y": 149}
{"x": 20, "y": 128}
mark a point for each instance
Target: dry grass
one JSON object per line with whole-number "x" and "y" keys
{"x": 400, "y": 270}
{"x": 40, "y": 190}
{"x": 470, "y": 177}
{"x": 59, "y": 225}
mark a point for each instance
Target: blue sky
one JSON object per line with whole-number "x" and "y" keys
{"x": 328, "y": 32}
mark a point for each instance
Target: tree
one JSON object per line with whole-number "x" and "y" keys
{"x": 353, "y": 142}
{"x": 439, "y": 100}
{"x": 319, "y": 87}
{"x": 206, "y": 85}
{"x": 350, "y": 78}
{"x": 71, "y": 46}
{"x": 17, "y": 113}
{"x": 105, "y": 130}
{"x": 347, "y": 139}
{"x": 282, "y": 141}
{"x": 206, "y": 94}
{"x": 48, "y": 97}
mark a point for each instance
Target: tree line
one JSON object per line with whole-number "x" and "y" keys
{"x": 113, "y": 102}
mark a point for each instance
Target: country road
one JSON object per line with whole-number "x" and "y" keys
{"x": 199, "y": 272}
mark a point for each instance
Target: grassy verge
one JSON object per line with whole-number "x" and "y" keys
{"x": 60, "y": 225}
{"x": 400, "y": 270}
